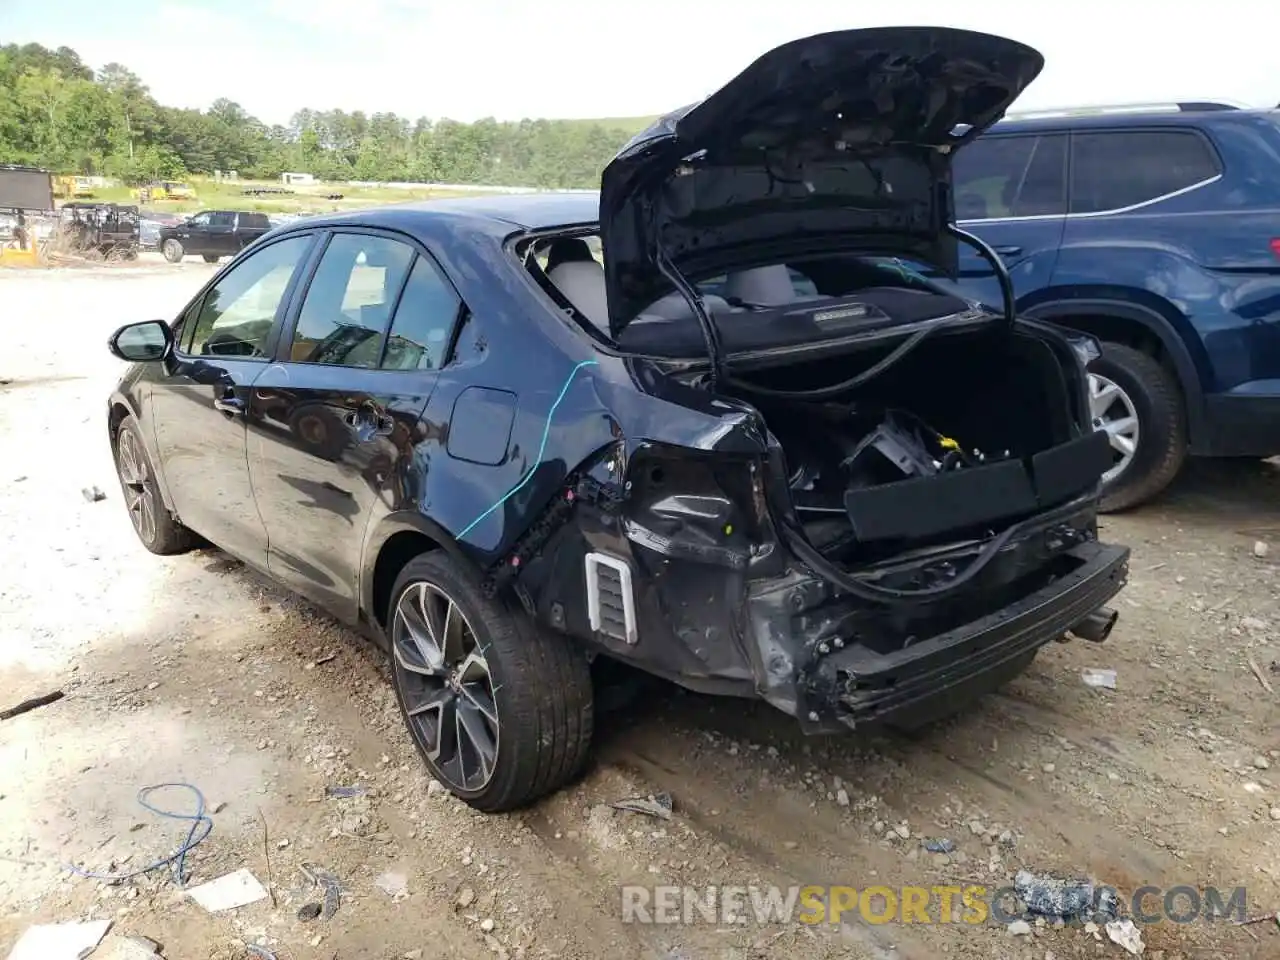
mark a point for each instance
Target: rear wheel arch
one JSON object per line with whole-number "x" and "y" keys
{"x": 395, "y": 541}
{"x": 1140, "y": 328}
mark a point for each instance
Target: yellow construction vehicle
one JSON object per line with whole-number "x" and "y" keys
{"x": 72, "y": 188}
{"x": 164, "y": 190}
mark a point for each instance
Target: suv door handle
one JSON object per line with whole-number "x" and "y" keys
{"x": 227, "y": 402}
{"x": 1008, "y": 251}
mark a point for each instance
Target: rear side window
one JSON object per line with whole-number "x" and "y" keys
{"x": 423, "y": 322}
{"x": 1001, "y": 177}
{"x": 349, "y": 301}
{"x": 1112, "y": 170}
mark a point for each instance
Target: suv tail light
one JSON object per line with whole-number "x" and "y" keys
{"x": 1275, "y": 246}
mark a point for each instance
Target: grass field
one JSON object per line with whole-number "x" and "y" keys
{"x": 227, "y": 195}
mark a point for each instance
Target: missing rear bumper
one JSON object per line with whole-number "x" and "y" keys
{"x": 849, "y": 678}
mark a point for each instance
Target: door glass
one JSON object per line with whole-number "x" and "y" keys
{"x": 1044, "y": 188}
{"x": 1114, "y": 170}
{"x": 349, "y": 301}
{"x": 988, "y": 173}
{"x": 200, "y": 220}
{"x": 237, "y": 313}
{"x": 423, "y": 322}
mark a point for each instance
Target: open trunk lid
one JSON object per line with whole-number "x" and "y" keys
{"x": 840, "y": 141}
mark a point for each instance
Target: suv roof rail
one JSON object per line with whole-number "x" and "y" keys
{"x": 1172, "y": 106}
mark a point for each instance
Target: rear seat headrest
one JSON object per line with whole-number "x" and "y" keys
{"x": 766, "y": 286}
{"x": 582, "y": 283}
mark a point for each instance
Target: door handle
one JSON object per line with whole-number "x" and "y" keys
{"x": 1008, "y": 251}
{"x": 228, "y": 403}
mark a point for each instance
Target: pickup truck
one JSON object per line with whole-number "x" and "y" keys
{"x": 212, "y": 234}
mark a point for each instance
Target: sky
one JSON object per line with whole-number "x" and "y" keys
{"x": 466, "y": 59}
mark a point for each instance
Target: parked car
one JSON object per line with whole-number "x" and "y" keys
{"x": 1156, "y": 230}
{"x": 212, "y": 234}
{"x": 834, "y": 487}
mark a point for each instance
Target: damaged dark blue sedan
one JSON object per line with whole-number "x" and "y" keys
{"x": 710, "y": 423}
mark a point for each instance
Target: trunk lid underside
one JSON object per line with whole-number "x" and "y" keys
{"x": 836, "y": 141}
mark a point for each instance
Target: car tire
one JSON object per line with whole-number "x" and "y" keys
{"x": 502, "y": 712}
{"x": 156, "y": 527}
{"x": 211, "y": 258}
{"x": 1126, "y": 383}
{"x": 173, "y": 250}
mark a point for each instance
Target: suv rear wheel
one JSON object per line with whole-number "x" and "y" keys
{"x": 173, "y": 250}
{"x": 501, "y": 711}
{"x": 1137, "y": 402}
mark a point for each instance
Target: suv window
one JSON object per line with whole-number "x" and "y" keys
{"x": 235, "y": 316}
{"x": 254, "y": 220}
{"x": 1017, "y": 176}
{"x": 349, "y": 300}
{"x": 201, "y": 219}
{"x": 222, "y": 220}
{"x": 1111, "y": 170}
{"x": 423, "y": 322}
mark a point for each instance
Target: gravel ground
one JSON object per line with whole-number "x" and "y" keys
{"x": 191, "y": 669}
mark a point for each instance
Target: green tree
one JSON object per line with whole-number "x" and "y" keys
{"x": 55, "y": 112}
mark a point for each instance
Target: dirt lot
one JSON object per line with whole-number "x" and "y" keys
{"x": 190, "y": 669}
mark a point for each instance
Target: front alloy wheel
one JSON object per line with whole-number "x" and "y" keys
{"x": 156, "y": 527}
{"x": 138, "y": 487}
{"x": 448, "y": 689}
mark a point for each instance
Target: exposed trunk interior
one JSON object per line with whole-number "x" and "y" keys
{"x": 962, "y": 436}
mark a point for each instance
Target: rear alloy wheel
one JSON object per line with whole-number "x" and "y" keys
{"x": 172, "y": 250}
{"x": 500, "y": 710}
{"x": 152, "y": 522}
{"x": 1137, "y": 403}
{"x": 1113, "y": 412}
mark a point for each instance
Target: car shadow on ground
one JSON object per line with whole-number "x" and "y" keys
{"x": 1223, "y": 490}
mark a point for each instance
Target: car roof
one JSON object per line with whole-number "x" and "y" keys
{"x": 1127, "y": 119}
{"x": 526, "y": 211}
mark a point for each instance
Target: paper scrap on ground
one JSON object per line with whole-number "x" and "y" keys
{"x": 228, "y": 892}
{"x": 394, "y": 885}
{"x": 59, "y": 941}
{"x": 1099, "y": 678}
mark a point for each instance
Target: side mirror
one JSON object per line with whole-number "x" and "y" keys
{"x": 142, "y": 342}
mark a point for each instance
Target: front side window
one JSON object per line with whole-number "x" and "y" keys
{"x": 1115, "y": 169}
{"x": 235, "y": 317}
{"x": 348, "y": 303}
{"x": 222, "y": 220}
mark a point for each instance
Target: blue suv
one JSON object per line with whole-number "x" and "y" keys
{"x": 1156, "y": 230}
